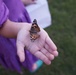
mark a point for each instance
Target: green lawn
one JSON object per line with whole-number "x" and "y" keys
{"x": 63, "y": 33}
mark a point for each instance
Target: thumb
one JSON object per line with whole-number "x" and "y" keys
{"x": 20, "y": 51}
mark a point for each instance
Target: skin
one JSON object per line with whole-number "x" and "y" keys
{"x": 43, "y": 47}
{"x": 28, "y": 2}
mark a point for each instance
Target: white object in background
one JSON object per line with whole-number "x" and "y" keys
{"x": 40, "y": 11}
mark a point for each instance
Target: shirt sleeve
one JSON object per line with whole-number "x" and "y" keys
{"x": 3, "y": 13}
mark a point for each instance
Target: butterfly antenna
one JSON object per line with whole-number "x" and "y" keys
{"x": 35, "y": 21}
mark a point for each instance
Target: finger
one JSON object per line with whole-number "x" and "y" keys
{"x": 55, "y": 53}
{"x": 50, "y": 43}
{"x": 47, "y": 54}
{"x": 47, "y": 47}
{"x": 20, "y": 51}
{"x": 41, "y": 56}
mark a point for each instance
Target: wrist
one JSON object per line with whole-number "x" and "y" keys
{"x": 10, "y": 29}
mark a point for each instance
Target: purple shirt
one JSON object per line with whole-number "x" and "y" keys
{"x": 3, "y": 12}
{"x": 15, "y": 11}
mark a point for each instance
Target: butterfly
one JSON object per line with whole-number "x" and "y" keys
{"x": 34, "y": 30}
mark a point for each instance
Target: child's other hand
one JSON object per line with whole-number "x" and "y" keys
{"x": 28, "y": 2}
{"x": 43, "y": 47}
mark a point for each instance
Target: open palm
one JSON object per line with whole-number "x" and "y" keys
{"x": 43, "y": 47}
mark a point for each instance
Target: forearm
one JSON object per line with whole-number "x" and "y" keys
{"x": 24, "y": 2}
{"x": 28, "y": 2}
{"x": 10, "y": 29}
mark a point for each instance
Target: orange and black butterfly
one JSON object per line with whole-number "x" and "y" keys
{"x": 34, "y": 30}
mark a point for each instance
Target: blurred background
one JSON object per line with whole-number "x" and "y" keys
{"x": 63, "y": 33}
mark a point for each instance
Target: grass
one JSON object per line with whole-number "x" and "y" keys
{"x": 63, "y": 33}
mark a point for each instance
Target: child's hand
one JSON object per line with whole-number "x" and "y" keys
{"x": 43, "y": 47}
{"x": 27, "y": 2}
